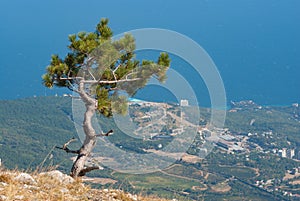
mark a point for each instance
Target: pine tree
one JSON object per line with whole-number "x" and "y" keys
{"x": 99, "y": 69}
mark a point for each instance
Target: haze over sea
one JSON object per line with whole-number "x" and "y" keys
{"x": 255, "y": 44}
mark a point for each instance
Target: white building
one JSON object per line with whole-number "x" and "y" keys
{"x": 284, "y": 152}
{"x": 290, "y": 153}
{"x": 184, "y": 103}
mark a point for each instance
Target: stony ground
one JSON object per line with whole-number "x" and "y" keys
{"x": 56, "y": 186}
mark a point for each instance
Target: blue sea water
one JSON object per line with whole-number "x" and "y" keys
{"x": 255, "y": 44}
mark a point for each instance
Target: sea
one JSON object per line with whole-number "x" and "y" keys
{"x": 254, "y": 44}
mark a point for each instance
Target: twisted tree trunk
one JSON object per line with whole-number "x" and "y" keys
{"x": 91, "y": 104}
{"x": 78, "y": 168}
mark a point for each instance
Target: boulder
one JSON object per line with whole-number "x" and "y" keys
{"x": 25, "y": 178}
{"x": 59, "y": 176}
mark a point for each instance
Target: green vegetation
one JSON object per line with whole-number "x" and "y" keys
{"x": 280, "y": 120}
{"x": 31, "y": 127}
{"x": 160, "y": 184}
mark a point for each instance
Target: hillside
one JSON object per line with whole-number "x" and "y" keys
{"x": 248, "y": 163}
{"x": 55, "y": 186}
{"x": 31, "y": 127}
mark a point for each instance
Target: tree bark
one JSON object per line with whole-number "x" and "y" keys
{"x": 89, "y": 143}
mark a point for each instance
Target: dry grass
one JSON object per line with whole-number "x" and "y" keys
{"x": 49, "y": 188}
{"x": 44, "y": 188}
{"x": 5, "y": 178}
{"x": 152, "y": 198}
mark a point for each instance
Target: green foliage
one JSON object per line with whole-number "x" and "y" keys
{"x": 279, "y": 120}
{"x": 159, "y": 184}
{"x": 103, "y": 30}
{"x": 30, "y": 128}
{"x": 104, "y": 105}
{"x": 105, "y": 66}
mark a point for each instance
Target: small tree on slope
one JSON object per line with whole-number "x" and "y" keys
{"x": 100, "y": 70}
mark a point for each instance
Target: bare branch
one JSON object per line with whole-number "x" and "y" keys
{"x": 71, "y": 87}
{"x": 117, "y": 68}
{"x": 91, "y": 74}
{"x": 110, "y": 132}
{"x": 110, "y": 81}
{"x": 130, "y": 74}
{"x": 102, "y": 81}
{"x": 115, "y": 71}
{"x": 71, "y": 78}
{"x": 89, "y": 169}
{"x": 73, "y": 139}
{"x": 65, "y": 147}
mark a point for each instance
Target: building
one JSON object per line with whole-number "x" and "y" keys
{"x": 202, "y": 152}
{"x": 284, "y": 152}
{"x": 184, "y": 103}
{"x": 223, "y": 145}
{"x": 291, "y": 153}
{"x": 227, "y": 137}
{"x": 206, "y": 133}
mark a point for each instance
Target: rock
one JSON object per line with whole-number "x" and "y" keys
{"x": 25, "y": 178}
{"x": 2, "y": 197}
{"x": 64, "y": 190}
{"x": 113, "y": 194}
{"x": 133, "y": 197}
{"x": 19, "y": 197}
{"x": 62, "y": 178}
{"x": 30, "y": 187}
{"x": 3, "y": 184}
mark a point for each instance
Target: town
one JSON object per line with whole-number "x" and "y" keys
{"x": 159, "y": 121}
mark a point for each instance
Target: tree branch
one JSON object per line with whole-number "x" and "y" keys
{"x": 89, "y": 169}
{"x": 131, "y": 74}
{"x": 110, "y": 81}
{"x": 71, "y": 87}
{"x": 110, "y": 132}
{"x": 65, "y": 147}
{"x": 101, "y": 81}
{"x": 113, "y": 71}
